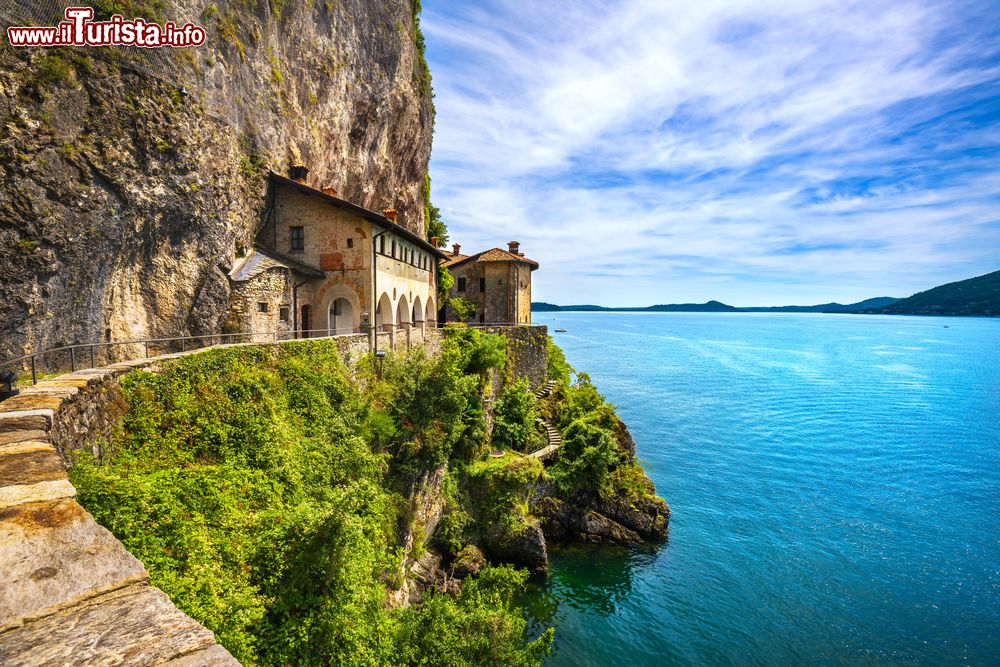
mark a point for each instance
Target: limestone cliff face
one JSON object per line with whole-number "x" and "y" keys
{"x": 123, "y": 200}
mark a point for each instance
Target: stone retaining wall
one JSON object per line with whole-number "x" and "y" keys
{"x": 527, "y": 351}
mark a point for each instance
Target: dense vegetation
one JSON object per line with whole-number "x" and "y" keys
{"x": 268, "y": 490}
{"x": 264, "y": 489}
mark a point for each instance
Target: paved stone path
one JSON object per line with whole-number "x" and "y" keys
{"x": 71, "y": 594}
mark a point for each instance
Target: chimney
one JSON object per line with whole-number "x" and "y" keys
{"x": 513, "y": 246}
{"x": 435, "y": 241}
{"x": 330, "y": 191}
{"x": 298, "y": 173}
{"x": 455, "y": 247}
{"x": 391, "y": 213}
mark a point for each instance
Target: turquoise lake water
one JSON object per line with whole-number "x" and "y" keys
{"x": 835, "y": 488}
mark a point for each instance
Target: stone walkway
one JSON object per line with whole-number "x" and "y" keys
{"x": 552, "y": 434}
{"x": 71, "y": 593}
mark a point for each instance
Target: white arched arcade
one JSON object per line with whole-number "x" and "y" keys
{"x": 402, "y": 312}
{"x": 384, "y": 319}
{"x": 418, "y": 312}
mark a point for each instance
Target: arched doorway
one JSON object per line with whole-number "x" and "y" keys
{"x": 402, "y": 312}
{"x": 431, "y": 320}
{"x": 417, "y": 316}
{"x": 383, "y": 314}
{"x": 341, "y": 317}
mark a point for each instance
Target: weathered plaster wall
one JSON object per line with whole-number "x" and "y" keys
{"x": 507, "y": 295}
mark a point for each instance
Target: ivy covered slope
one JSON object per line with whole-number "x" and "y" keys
{"x": 313, "y": 514}
{"x": 594, "y": 491}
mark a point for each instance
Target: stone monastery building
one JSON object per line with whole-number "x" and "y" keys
{"x": 497, "y": 282}
{"x": 324, "y": 266}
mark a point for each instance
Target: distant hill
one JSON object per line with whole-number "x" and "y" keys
{"x": 543, "y": 307}
{"x": 708, "y": 307}
{"x": 975, "y": 296}
{"x": 875, "y": 302}
{"x": 718, "y": 307}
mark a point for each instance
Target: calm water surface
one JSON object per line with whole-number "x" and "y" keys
{"x": 835, "y": 483}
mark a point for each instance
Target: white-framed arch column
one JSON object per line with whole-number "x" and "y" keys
{"x": 403, "y": 312}
{"x": 430, "y": 313}
{"x": 385, "y": 314}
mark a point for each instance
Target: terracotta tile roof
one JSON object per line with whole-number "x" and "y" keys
{"x": 492, "y": 255}
{"x": 454, "y": 259}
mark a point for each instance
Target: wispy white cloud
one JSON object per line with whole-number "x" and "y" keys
{"x": 758, "y": 153}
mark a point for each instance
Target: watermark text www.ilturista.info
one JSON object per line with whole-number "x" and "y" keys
{"x": 80, "y": 30}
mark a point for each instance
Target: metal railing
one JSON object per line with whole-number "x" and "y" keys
{"x": 85, "y": 355}
{"x": 79, "y": 354}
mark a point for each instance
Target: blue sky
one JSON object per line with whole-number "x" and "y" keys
{"x": 759, "y": 153}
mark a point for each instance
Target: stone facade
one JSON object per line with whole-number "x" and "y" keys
{"x": 335, "y": 269}
{"x": 497, "y": 282}
{"x": 527, "y": 352}
{"x": 263, "y": 303}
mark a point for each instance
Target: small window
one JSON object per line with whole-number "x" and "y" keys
{"x": 394, "y": 248}
{"x": 381, "y": 242}
{"x": 350, "y": 243}
{"x": 261, "y": 307}
{"x": 283, "y": 313}
{"x": 482, "y": 284}
{"x": 461, "y": 284}
{"x": 297, "y": 236}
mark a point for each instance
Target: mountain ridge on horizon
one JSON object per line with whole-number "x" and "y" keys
{"x": 978, "y": 296}
{"x": 714, "y": 306}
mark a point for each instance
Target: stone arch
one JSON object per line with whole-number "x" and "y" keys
{"x": 384, "y": 314}
{"x": 340, "y": 317}
{"x": 418, "y": 311}
{"x": 402, "y": 311}
{"x": 341, "y": 311}
{"x": 431, "y": 311}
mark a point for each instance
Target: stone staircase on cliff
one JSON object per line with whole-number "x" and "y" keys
{"x": 553, "y": 437}
{"x": 545, "y": 390}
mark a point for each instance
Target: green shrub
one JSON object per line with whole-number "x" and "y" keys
{"x": 464, "y": 309}
{"x": 481, "y": 627}
{"x": 472, "y": 351}
{"x": 557, "y": 366}
{"x": 52, "y": 69}
{"x": 514, "y": 417}
{"x": 575, "y": 401}
{"x": 586, "y": 458}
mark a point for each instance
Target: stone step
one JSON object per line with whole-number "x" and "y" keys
{"x": 137, "y": 625}
{"x": 545, "y": 453}
{"x": 54, "y": 556}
